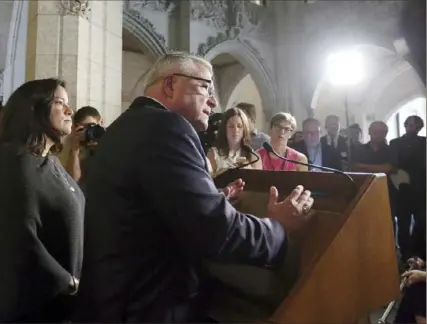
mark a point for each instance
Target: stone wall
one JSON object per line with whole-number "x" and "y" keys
{"x": 283, "y": 45}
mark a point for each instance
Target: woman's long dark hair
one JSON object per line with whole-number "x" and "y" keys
{"x": 222, "y": 141}
{"x": 25, "y": 119}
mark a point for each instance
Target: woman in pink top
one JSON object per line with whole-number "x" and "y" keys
{"x": 282, "y": 126}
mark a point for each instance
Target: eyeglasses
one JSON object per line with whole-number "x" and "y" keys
{"x": 211, "y": 90}
{"x": 281, "y": 128}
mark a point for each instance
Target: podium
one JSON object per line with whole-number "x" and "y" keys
{"x": 339, "y": 268}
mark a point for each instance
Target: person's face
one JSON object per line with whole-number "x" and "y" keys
{"x": 89, "y": 120}
{"x": 193, "y": 96}
{"x": 355, "y": 134}
{"x": 234, "y": 129}
{"x": 281, "y": 132}
{"x": 332, "y": 125}
{"x": 378, "y": 133}
{"x": 61, "y": 113}
{"x": 311, "y": 134}
{"x": 251, "y": 124}
{"x": 411, "y": 127}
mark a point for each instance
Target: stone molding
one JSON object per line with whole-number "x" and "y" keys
{"x": 246, "y": 54}
{"x": 145, "y": 32}
{"x": 135, "y": 10}
{"x": 75, "y": 8}
{"x": 153, "y": 5}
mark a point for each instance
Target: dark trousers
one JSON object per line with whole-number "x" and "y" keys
{"x": 413, "y": 304}
{"x": 409, "y": 203}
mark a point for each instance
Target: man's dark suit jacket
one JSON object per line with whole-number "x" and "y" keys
{"x": 341, "y": 148}
{"x": 330, "y": 156}
{"x": 411, "y": 157}
{"x": 152, "y": 215}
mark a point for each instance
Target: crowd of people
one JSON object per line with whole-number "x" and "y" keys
{"x": 116, "y": 229}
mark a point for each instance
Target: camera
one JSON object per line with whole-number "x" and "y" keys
{"x": 93, "y": 132}
{"x": 208, "y": 137}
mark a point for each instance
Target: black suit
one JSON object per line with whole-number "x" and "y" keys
{"x": 152, "y": 215}
{"x": 341, "y": 147}
{"x": 411, "y": 198}
{"x": 330, "y": 156}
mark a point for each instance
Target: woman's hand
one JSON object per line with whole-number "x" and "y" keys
{"x": 414, "y": 276}
{"x": 73, "y": 285}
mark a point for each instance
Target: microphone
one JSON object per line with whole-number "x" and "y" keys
{"x": 267, "y": 146}
{"x": 251, "y": 150}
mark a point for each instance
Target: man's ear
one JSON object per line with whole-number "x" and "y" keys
{"x": 101, "y": 122}
{"x": 168, "y": 86}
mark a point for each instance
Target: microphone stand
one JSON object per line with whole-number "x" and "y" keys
{"x": 270, "y": 149}
{"x": 251, "y": 150}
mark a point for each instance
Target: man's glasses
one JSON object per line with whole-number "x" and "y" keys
{"x": 211, "y": 91}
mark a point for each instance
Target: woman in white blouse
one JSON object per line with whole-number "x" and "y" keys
{"x": 231, "y": 148}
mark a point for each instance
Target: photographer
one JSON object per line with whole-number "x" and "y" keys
{"x": 412, "y": 308}
{"x": 87, "y": 129}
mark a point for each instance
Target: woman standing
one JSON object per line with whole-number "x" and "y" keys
{"x": 282, "y": 126}
{"x": 231, "y": 148}
{"x": 41, "y": 207}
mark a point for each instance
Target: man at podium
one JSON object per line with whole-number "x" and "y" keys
{"x": 154, "y": 214}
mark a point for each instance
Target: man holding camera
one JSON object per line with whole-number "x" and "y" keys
{"x": 87, "y": 129}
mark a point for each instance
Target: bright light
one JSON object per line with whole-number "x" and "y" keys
{"x": 345, "y": 68}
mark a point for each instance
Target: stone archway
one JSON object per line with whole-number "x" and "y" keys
{"x": 245, "y": 54}
{"x": 143, "y": 30}
{"x": 142, "y": 45}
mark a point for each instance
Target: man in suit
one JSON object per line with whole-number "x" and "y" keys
{"x": 334, "y": 140}
{"x": 153, "y": 213}
{"x": 411, "y": 197}
{"x": 315, "y": 151}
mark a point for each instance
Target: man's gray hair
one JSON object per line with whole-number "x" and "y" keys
{"x": 174, "y": 62}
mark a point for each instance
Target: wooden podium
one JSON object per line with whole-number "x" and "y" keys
{"x": 346, "y": 261}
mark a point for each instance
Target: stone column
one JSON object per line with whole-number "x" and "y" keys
{"x": 288, "y": 63}
{"x": 179, "y": 27}
{"x": 80, "y": 42}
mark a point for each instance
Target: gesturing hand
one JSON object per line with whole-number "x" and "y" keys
{"x": 294, "y": 211}
{"x": 234, "y": 189}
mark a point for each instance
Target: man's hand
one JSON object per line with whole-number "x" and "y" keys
{"x": 414, "y": 276}
{"x": 234, "y": 189}
{"x": 420, "y": 262}
{"x": 294, "y": 211}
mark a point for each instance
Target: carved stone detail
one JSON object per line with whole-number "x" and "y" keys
{"x": 146, "y": 23}
{"x": 211, "y": 42}
{"x": 74, "y": 8}
{"x": 234, "y": 19}
{"x": 153, "y": 5}
{"x": 212, "y": 12}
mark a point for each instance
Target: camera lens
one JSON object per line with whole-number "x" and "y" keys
{"x": 94, "y": 132}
